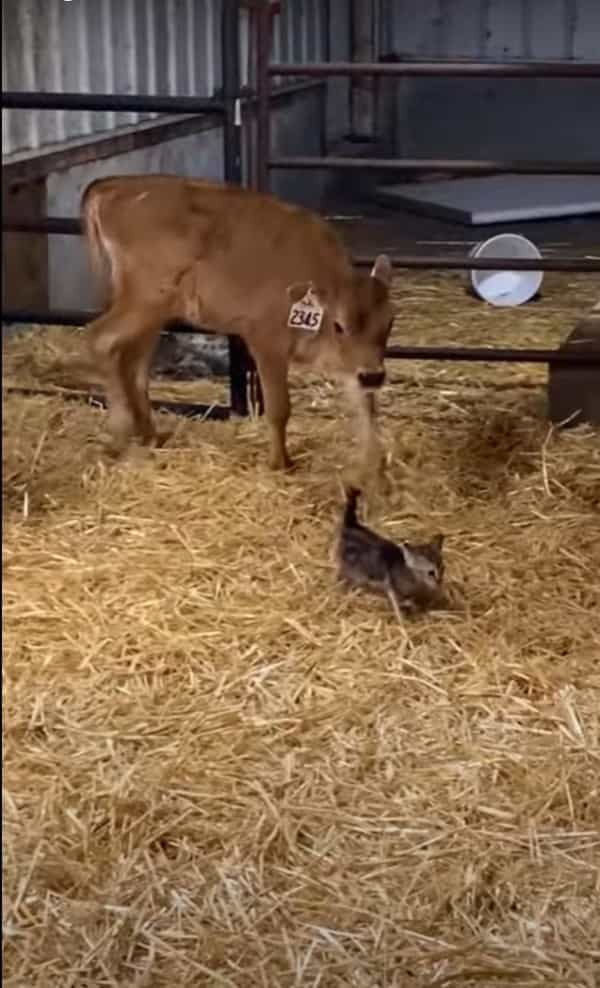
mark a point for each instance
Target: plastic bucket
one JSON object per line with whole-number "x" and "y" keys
{"x": 506, "y": 288}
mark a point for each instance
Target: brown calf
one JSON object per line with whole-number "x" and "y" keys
{"x": 230, "y": 260}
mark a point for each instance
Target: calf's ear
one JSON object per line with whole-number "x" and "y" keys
{"x": 382, "y": 269}
{"x": 298, "y": 290}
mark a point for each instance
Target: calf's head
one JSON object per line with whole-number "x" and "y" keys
{"x": 356, "y": 326}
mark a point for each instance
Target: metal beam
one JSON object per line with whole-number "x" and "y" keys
{"x": 217, "y": 412}
{"x": 458, "y": 165}
{"x": 484, "y": 354}
{"x": 505, "y": 355}
{"x": 15, "y": 100}
{"x": 64, "y": 226}
{"x": 486, "y": 70}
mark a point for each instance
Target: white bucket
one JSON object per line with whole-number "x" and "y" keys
{"x": 505, "y": 288}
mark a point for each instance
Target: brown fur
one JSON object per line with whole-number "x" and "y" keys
{"x": 231, "y": 261}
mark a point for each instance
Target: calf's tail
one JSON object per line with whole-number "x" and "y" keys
{"x": 100, "y": 260}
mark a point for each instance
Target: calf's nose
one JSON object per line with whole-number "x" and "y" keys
{"x": 371, "y": 379}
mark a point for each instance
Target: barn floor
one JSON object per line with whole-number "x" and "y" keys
{"x": 220, "y": 768}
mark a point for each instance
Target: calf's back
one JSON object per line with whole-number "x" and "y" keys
{"x": 226, "y": 254}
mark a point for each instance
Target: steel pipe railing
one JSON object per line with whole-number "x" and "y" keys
{"x": 228, "y": 108}
{"x": 495, "y": 355}
{"x": 214, "y": 411}
{"x": 18, "y": 100}
{"x": 80, "y": 317}
{"x": 63, "y": 226}
{"x": 560, "y": 69}
{"x": 580, "y": 265}
{"x": 458, "y": 166}
{"x": 72, "y": 317}
{"x": 457, "y": 69}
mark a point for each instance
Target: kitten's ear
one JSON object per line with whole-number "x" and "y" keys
{"x": 437, "y": 543}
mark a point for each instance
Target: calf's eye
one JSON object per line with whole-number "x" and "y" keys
{"x": 339, "y": 329}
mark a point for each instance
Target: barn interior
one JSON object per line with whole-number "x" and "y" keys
{"x": 220, "y": 766}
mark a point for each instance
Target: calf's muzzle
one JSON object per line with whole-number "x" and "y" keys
{"x": 371, "y": 379}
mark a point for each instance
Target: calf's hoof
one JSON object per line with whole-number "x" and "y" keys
{"x": 114, "y": 449}
{"x": 158, "y": 438}
{"x": 280, "y": 461}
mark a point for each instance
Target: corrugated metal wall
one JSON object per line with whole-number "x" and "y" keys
{"x": 532, "y": 119}
{"x": 164, "y": 47}
{"x": 493, "y": 29}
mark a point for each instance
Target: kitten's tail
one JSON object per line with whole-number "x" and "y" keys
{"x": 352, "y": 496}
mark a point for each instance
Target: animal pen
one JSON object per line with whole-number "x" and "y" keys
{"x": 220, "y": 768}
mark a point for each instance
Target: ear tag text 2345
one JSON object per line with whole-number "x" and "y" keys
{"x": 306, "y": 314}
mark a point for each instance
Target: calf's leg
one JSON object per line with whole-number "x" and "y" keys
{"x": 138, "y": 367}
{"x": 273, "y": 373}
{"x": 120, "y": 343}
{"x": 371, "y": 455}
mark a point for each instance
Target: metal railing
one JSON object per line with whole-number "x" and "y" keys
{"x": 243, "y": 381}
{"x": 241, "y": 368}
{"x": 265, "y": 71}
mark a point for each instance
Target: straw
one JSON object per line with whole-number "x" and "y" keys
{"x": 222, "y": 767}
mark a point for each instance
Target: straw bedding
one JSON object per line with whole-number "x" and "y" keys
{"x": 221, "y": 768}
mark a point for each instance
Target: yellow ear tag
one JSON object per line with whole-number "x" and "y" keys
{"x": 306, "y": 314}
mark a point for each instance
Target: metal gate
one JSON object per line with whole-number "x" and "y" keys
{"x": 243, "y": 381}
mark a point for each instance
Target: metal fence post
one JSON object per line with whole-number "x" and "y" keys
{"x": 240, "y": 363}
{"x": 263, "y": 92}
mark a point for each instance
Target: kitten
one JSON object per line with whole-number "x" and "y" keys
{"x": 410, "y": 573}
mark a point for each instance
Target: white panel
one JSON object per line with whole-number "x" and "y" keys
{"x": 124, "y": 47}
{"x": 72, "y": 56}
{"x": 171, "y": 40}
{"x": 586, "y": 41}
{"x": 283, "y": 22}
{"x": 571, "y": 18}
{"x": 281, "y": 40}
{"x": 48, "y": 67}
{"x": 298, "y": 23}
{"x": 208, "y": 57}
{"x": 107, "y": 54}
{"x": 148, "y": 50}
{"x": 320, "y": 30}
{"x": 96, "y": 41}
{"x": 182, "y": 84}
{"x": 7, "y": 142}
{"x": 244, "y": 62}
{"x": 501, "y": 198}
{"x": 29, "y": 118}
{"x": 83, "y": 83}
{"x": 506, "y": 30}
{"x": 547, "y": 28}
{"x": 414, "y": 28}
{"x": 214, "y": 43}
{"x": 462, "y": 29}
{"x": 494, "y": 29}
{"x": 305, "y": 31}
{"x": 161, "y": 40}
{"x": 190, "y": 46}
{"x": 291, "y": 33}
{"x": 129, "y": 46}
{"x": 277, "y": 39}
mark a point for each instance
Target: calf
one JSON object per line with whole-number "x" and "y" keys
{"x": 231, "y": 261}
